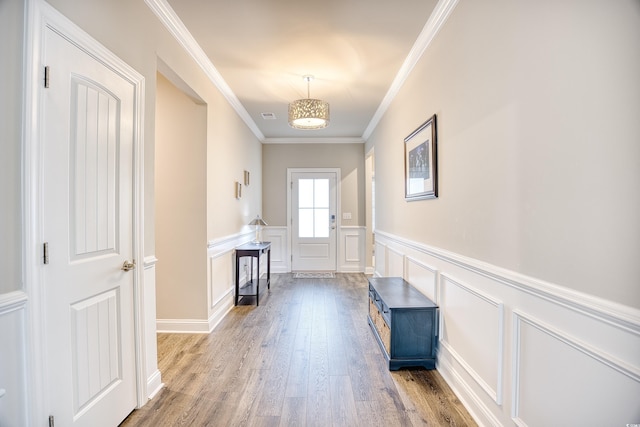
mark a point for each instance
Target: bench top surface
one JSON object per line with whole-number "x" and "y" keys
{"x": 398, "y": 293}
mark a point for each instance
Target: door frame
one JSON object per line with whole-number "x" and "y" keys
{"x": 290, "y": 172}
{"x": 40, "y": 16}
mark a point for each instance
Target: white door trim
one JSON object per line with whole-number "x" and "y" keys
{"x": 40, "y": 16}
{"x": 290, "y": 172}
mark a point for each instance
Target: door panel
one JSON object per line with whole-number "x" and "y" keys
{"x": 313, "y": 219}
{"x": 94, "y": 143}
{"x": 88, "y": 113}
{"x": 314, "y": 250}
{"x": 95, "y": 339}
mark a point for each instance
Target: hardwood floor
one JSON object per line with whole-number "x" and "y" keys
{"x": 304, "y": 357}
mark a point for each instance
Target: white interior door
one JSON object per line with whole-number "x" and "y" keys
{"x": 88, "y": 116}
{"x": 313, "y": 221}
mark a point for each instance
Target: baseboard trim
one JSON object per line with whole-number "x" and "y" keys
{"x": 182, "y": 326}
{"x": 455, "y": 382}
{"x": 222, "y": 307}
{"x": 584, "y": 329}
{"x": 197, "y": 326}
{"x": 155, "y": 384}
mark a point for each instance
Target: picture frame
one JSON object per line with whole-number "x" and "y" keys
{"x": 421, "y": 162}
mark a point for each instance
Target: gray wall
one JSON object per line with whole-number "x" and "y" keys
{"x": 276, "y": 158}
{"x": 11, "y": 41}
{"x": 538, "y": 108}
{"x": 134, "y": 33}
{"x": 181, "y": 204}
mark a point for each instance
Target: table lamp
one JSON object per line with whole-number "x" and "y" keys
{"x": 258, "y": 222}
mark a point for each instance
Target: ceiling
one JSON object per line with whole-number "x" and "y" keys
{"x": 261, "y": 49}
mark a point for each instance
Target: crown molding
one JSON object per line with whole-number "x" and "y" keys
{"x": 176, "y": 27}
{"x": 440, "y": 14}
{"x": 319, "y": 140}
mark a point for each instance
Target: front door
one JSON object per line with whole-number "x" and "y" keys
{"x": 88, "y": 113}
{"x": 313, "y": 220}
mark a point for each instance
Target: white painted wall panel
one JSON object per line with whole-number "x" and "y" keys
{"x": 279, "y": 238}
{"x": 395, "y": 263}
{"x": 153, "y": 374}
{"x": 472, "y": 330}
{"x": 572, "y": 354}
{"x": 423, "y": 278}
{"x": 13, "y": 410}
{"x": 221, "y": 279}
{"x": 351, "y": 249}
{"x": 559, "y": 381}
{"x": 381, "y": 260}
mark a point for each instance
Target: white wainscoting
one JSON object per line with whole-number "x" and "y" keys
{"x": 380, "y": 255}
{"x": 519, "y": 351}
{"x": 351, "y": 241}
{"x": 220, "y": 285}
{"x": 472, "y": 331}
{"x": 423, "y": 277}
{"x": 154, "y": 377}
{"x": 395, "y": 262}
{"x": 13, "y": 357}
{"x": 547, "y": 358}
{"x": 351, "y": 249}
{"x": 221, "y": 275}
{"x": 280, "y": 253}
{"x": 221, "y": 271}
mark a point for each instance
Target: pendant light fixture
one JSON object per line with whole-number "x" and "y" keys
{"x": 308, "y": 113}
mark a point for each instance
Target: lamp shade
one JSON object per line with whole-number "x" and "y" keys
{"x": 258, "y": 221}
{"x": 309, "y": 113}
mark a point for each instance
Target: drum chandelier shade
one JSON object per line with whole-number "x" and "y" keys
{"x": 308, "y": 113}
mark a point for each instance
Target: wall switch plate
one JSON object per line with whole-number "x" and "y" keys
{"x": 346, "y": 215}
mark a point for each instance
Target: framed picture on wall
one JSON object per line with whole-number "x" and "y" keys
{"x": 421, "y": 162}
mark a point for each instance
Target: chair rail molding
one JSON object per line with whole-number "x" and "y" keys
{"x": 505, "y": 336}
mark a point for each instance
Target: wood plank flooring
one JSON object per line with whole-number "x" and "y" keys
{"x": 304, "y": 357}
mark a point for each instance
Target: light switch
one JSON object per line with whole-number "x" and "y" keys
{"x": 346, "y": 215}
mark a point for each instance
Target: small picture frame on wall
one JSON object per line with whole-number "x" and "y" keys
{"x": 246, "y": 178}
{"x": 238, "y": 190}
{"x": 421, "y": 162}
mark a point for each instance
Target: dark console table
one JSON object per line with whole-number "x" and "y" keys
{"x": 404, "y": 322}
{"x": 252, "y": 287}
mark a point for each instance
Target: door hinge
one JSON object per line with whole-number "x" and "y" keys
{"x": 45, "y": 252}
{"x": 51, "y": 421}
{"x": 46, "y": 77}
